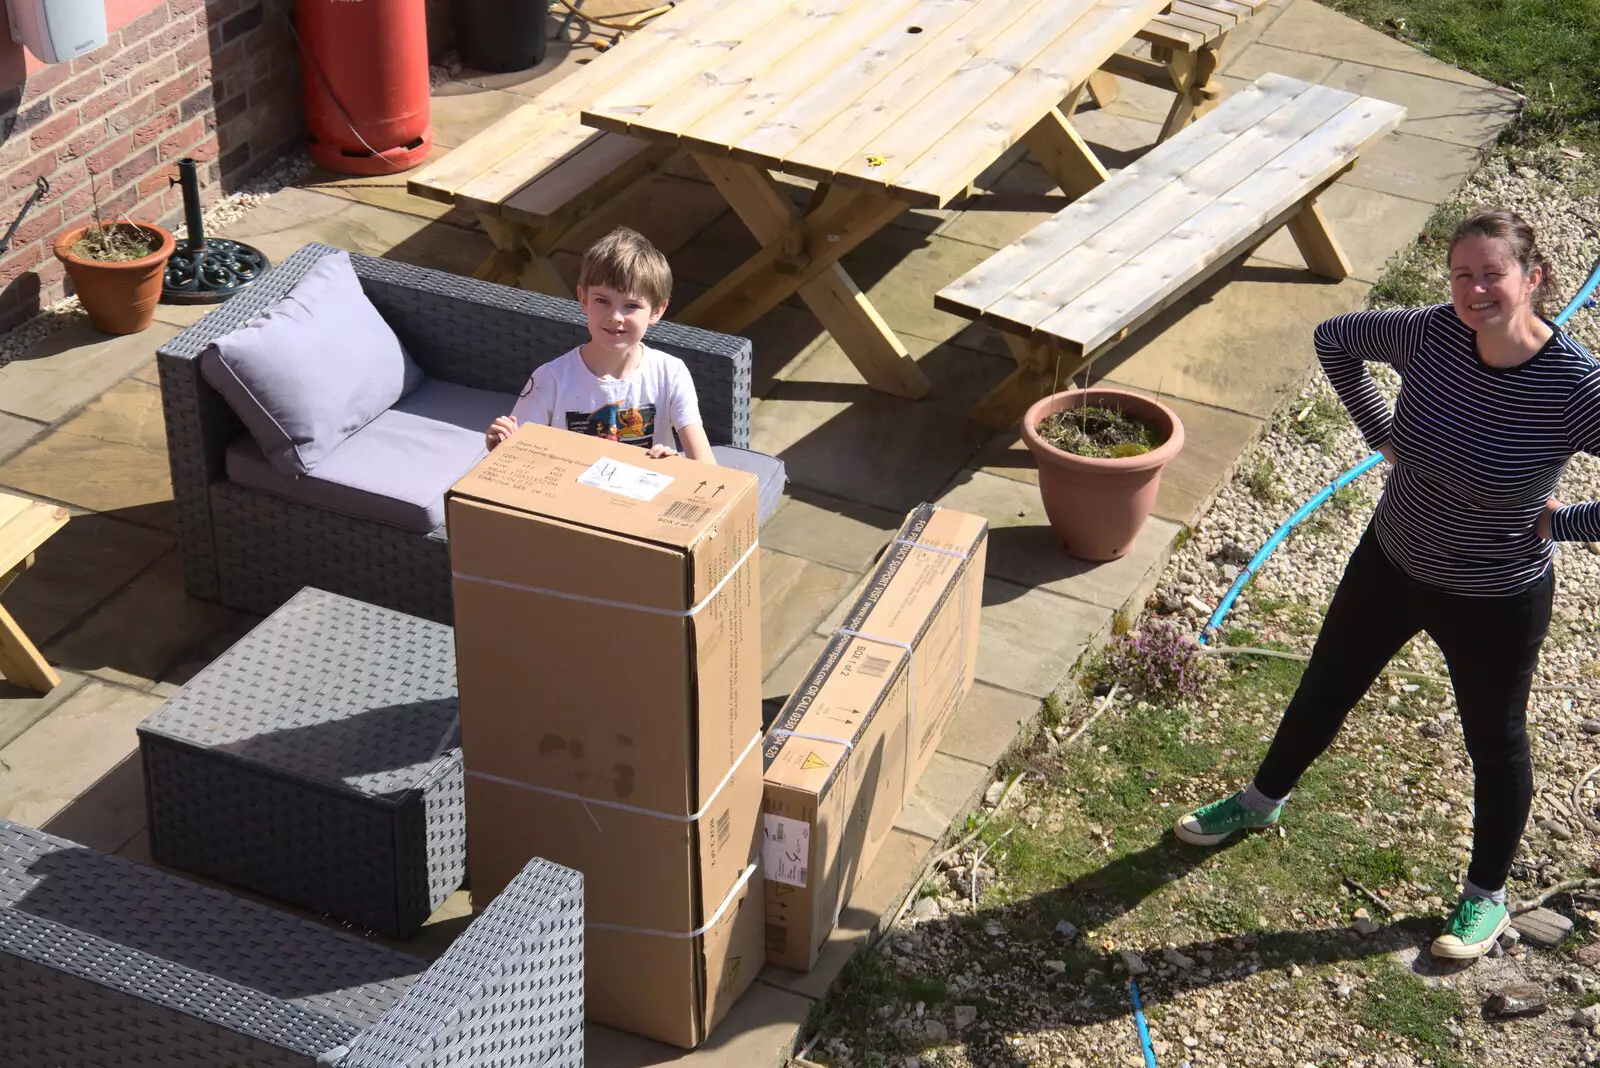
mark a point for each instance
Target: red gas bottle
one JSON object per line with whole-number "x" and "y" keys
{"x": 364, "y": 78}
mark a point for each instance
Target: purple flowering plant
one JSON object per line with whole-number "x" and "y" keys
{"x": 1158, "y": 661}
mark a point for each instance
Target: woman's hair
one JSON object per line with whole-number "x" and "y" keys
{"x": 1513, "y": 229}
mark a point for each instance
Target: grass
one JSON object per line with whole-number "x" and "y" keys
{"x": 1263, "y": 482}
{"x": 1323, "y": 418}
{"x": 1417, "y": 275}
{"x": 1398, "y": 1003}
{"x": 1548, "y": 50}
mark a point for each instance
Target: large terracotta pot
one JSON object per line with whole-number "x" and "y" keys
{"x": 1096, "y": 507}
{"x": 119, "y": 297}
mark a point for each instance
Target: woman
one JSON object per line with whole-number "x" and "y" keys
{"x": 1494, "y": 399}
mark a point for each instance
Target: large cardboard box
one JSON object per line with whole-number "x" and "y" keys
{"x": 853, "y": 738}
{"x": 609, "y": 658}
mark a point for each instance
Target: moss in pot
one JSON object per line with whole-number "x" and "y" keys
{"x": 1100, "y": 454}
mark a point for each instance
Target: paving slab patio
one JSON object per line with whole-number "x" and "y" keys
{"x": 80, "y": 424}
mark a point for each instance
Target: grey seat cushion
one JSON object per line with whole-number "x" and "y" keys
{"x": 315, "y": 368}
{"x": 394, "y": 470}
{"x": 769, "y": 470}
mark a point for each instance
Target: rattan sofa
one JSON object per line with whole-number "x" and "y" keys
{"x": 253, "y": 550}
{"x": 105, "y": 963}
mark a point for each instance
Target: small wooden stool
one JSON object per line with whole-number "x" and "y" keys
{"x": 24, "y": 526}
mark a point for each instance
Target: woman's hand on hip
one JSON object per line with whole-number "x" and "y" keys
{"x": 1541, "y": 526}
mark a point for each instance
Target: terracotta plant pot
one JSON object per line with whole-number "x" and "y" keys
{"x": 119, "y": 297}
{"x": 1096, "y": 507}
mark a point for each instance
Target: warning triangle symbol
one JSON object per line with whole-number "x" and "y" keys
{"x": 813, "y": 762}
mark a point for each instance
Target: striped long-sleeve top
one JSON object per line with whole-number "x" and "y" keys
{"x": 1478, "y": 449}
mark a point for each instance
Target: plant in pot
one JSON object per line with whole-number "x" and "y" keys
{"x": 117, "y": 269}
{"x": 1100, "y": 454}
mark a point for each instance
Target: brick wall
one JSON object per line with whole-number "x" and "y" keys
{"x": 213, "y": 79}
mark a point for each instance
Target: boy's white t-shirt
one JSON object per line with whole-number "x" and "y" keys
{"x": 641, "y": 409}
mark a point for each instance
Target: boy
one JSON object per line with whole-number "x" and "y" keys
{"x": 615, "y": 386}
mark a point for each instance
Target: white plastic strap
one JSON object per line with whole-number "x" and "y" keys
{"x": 605, "y": 602}
{"x": 587, "y": 801}
{"x": 698, "y": 931}
{"x": 932, "y": 548}
{"x": 846, "y": 742}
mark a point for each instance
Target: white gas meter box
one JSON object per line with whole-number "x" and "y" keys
{"x": 58, "y": 30}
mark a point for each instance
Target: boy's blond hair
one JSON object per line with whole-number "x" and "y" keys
{"x": 624, "y": 260}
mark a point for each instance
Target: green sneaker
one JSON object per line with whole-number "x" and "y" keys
{"x": 1217, "y": 821}
{"x": 1471, "y": 929}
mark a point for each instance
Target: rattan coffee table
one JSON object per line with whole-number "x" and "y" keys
{"x": 317, "y": 761}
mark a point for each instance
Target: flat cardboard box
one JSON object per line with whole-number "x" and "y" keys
{"x": 856, "y": 734}
{"x": 609, "y": 659}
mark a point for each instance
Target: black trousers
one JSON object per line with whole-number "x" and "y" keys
{"x": 1491, "y": 645}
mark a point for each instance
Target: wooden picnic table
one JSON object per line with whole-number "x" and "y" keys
{"x": 885, "y": 104}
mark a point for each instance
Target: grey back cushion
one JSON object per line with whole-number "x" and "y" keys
{"x": 318, "y": 366}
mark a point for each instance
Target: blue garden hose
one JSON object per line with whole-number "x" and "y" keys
{"x": 1144, "y": 1032}
{"x": 1584, "y": 298}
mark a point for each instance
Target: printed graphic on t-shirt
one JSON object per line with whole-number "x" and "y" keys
{"x": 630, "y": 426}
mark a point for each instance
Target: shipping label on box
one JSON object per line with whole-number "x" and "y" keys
{"x": 851, "y": 741}
{"x": 608, "y": 655}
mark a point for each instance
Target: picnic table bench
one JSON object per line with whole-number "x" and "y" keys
{"x": 885, "y": 104}
{"x": 1079, "y": 282}
{"x": 1185, "y": 50}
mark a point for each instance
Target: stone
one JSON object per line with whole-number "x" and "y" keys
{"x": 143, "y": 629}
{"x": 1177, "y": 960}
{"x": 992, "y": 929}
{"x": 72, "y": 367}
{"x": 1510, "y": 937}
{"x": 1588, "y": 955}
{"x": 289, "y": 219}
{"x": 935, "y": 1031}
{"x": 1030, "y": 638}
{"x": 15, "y": 432}
{"x": 926, "y": 908}
{"x": 986, "y": 723}
{"x": 85, "y": 562}
{"x": 110, "y": 457}
{"x": 1024, "y": 549}
{"x": 1066, "y": 931}
{"x": 823, "y": 419}
{"x": 994, "y": 793}
{"x": 1210, "y": 348}
{"x": 1518, "y": 999}
{"x": 1057, "y": 966}
{"x": 945, "y": 790}
{"x": 965, "y": 1016}
{"x": 76, "y": 772}
{"x": 21, "y": 709}
{"x": 1132, "y": 963}
{"x": 1432, "y": 729}
{"x": 1364, "y": 926}
{"x": 829, "y": 531}
{"x": 1555, "y": 829}
{"x": 795, "y": 595}
{"x": 1587, "y": 1017}
{"x": 1543, "y": 927}
{"x": 1295, "y": 971}
{"x": 1590, "y": 726}
{"x": 457, "y": 111}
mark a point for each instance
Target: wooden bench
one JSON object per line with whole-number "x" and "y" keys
{"x": 1082, "y": 280}
{"x": 538, "y": 173}
{"x": 1185, "y": 49}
